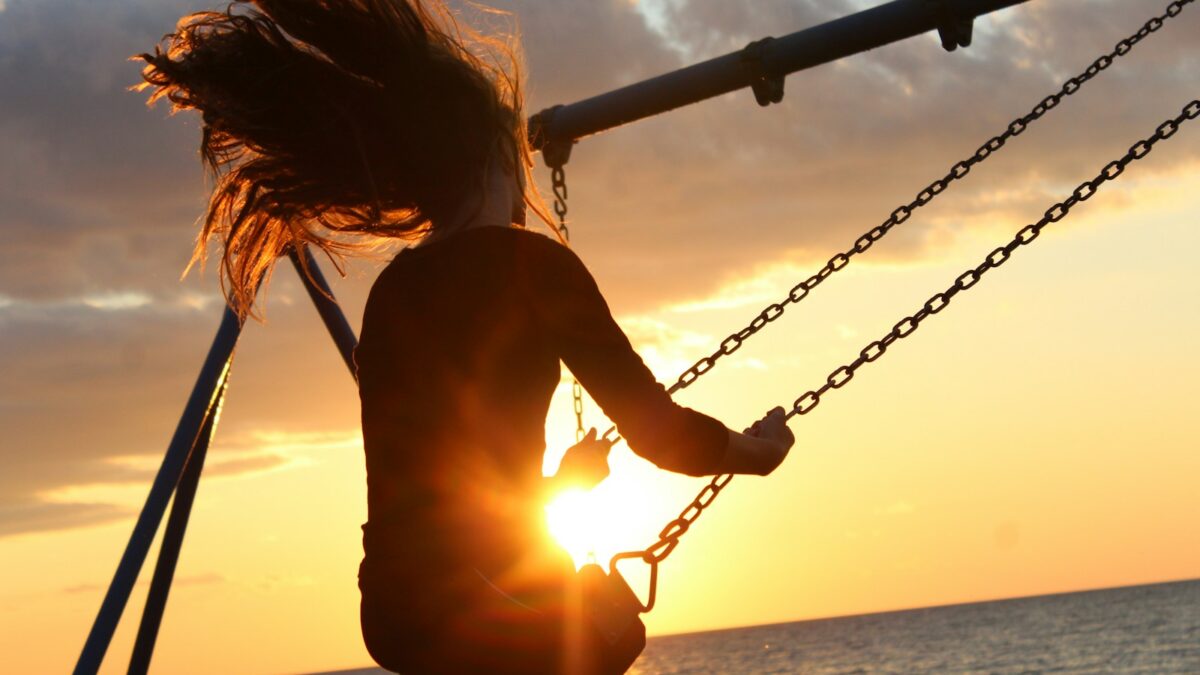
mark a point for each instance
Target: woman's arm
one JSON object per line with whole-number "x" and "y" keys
{"x": 593, "y": 346}
{"x": 761, "y": 449}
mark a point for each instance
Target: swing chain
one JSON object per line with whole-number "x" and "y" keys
{"x": 902, "y": 213}
{"x": 669, "y": 537}
{"x": 558, "y": 182}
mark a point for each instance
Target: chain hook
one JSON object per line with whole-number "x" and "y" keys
{"x": 953, "y": 29}
{"x": 766, "y": 85}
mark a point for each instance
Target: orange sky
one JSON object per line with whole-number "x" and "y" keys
{"x": 1036, "y": 437}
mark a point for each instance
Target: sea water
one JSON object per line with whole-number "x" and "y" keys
{"x": 1138, "y": 629}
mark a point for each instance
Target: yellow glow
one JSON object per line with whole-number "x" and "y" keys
{"x": 572, "y": 518}
{"x": 593, "y": 525}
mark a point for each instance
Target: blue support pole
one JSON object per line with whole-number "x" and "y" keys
{"x": 191, "y": 423}
{"x": 168, "y": 554}
{"x": 180, "y": 474}
{"x": 322, "y": 296}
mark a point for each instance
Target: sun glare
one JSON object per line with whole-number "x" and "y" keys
{"x": 572, "y": 518}
{"x": 592, "y": 525}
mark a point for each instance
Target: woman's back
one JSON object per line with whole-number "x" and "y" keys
{"x": 458, "y": 360}
{"x": 455, "y": 376}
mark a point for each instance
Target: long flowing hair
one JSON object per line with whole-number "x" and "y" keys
{"x": 326, "y": 120}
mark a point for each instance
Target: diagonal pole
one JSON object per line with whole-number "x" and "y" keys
{"x": 168, "y": 555}
{"x": 180, "y": 470}
{"x": 327, "y": 306}
{"x": 191, "y": 423}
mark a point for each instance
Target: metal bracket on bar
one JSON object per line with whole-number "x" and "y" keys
{"x": 953, "y": 28}
{"x": 767, "y": 86}
{"x": 556, "y": 150}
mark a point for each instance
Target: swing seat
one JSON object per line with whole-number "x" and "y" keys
{"x": 613, "y": 611}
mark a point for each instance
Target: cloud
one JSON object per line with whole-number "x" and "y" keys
{"x": 666, "y": 349}
{"x": 141, "y": 469}
{"x": 93, "y": 187}
{"x": 99, "y": 197}
{"x": 85, "y": 500}
{"x": 202, "y": 579}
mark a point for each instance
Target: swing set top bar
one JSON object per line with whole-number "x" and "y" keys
{"x": 762, "y": 64}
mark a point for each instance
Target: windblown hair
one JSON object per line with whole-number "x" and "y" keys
{"x": 328, "y": 117}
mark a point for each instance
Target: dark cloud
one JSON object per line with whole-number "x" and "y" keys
{"x": 95, "y": 191}
{"x": 99, "y": 196}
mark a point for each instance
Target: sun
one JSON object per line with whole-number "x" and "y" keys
{"x": 573, "y": 520}
{"x": 593, "y": 525}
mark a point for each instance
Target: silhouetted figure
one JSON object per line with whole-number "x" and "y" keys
{"x": 378, "y": 118}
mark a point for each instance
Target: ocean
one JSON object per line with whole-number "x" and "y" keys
{"x": 1135, "y": 629}
{"x": 1138, "y": 629}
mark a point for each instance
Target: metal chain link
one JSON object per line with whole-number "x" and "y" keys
{"x": 558, "y": 181}
{"x": 669, "y": 537}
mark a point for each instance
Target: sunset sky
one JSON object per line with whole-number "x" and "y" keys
{"x": 1038, "y": 436}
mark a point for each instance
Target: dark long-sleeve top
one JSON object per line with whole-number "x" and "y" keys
{"x": 458, "y": 359}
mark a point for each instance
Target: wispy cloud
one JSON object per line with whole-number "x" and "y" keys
{"x": 102, "y": 497}
{"x": 203, "y": 579}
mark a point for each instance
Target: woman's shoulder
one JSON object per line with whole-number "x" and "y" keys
{"x": 493, "y": 244}
{"x": 481, "y": 237}
{"x": 520, "y": 237}
{"x": 493, "y": 248}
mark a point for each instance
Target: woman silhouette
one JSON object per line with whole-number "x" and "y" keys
{"x": 336, "y": 123}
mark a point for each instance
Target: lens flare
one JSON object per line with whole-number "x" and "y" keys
{"x": 573, "y": 518}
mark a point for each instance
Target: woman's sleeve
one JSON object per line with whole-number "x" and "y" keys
{"x": 597, "y": 352}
